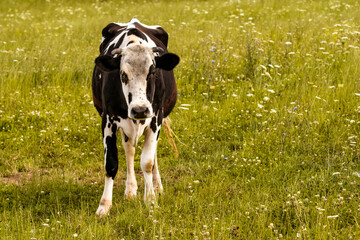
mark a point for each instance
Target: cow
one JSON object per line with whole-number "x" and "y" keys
{"x": 134, "y": 90}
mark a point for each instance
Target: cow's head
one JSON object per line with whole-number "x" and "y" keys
{"x": 136, "y": 64}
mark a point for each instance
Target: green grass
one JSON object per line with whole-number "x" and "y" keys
{"x": 268, "y": 146}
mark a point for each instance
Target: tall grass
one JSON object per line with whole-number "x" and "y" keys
{"x": 267, "y": 122}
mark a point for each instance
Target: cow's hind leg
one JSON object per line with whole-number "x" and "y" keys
{"x": 111, "y": 164}
{"x": 147, "y": 161}
{"x": 156, "y": 176}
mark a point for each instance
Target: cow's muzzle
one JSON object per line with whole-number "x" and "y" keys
{"x": 140, "y": 112}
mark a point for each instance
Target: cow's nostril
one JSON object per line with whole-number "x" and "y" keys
{"x": 140, "y": 109}
{"x": 140, "y": 112}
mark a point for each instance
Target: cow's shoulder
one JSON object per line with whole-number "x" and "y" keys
{"x": 109, "y": 32}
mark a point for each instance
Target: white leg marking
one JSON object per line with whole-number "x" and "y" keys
{"x": 106, "y": 199}
{"x": 156, "y": 176}
{"x": 147, "y": 163}
{"x": 131, "y": 184}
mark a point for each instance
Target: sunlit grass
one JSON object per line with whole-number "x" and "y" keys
{"x": 266, "y": 124}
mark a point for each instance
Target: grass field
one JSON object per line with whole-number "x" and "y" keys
{"x": 267, "y": 122}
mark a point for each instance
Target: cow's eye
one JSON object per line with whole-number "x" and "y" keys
{"x": 124, "y": 78}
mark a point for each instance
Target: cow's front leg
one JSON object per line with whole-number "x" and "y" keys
{"x": 131, "y": 184}
{"x": 111, "y": 164}
{"x": 147, "y": 161}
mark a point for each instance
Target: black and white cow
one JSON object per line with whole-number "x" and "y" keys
{"x": 134, "y": 89}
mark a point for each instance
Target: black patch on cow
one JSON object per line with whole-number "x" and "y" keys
{"x": 137, "y": 33}
{"x": 109, "y": 32}
{"x": 153, "y": 124}
{"x": 111, "y": 165}
{"x": 124, "y": 78}
{"x": 157, "y": 137}
{"x": 160, "y": 118}
{"x": 103, "y": 124}
{"x": 117, "y": 45}
{"x": 112, "y": 96}
{"x": 129, "y": 43}
{"x": 108, "y": 63}
{"x": 130, "y": 97}
{"x": 142, "y": 122}
{"x": 151, "y": 71}
{"x": 112, "y": 162}
{"x": 150, "y": 84}
{"x": 109, "y": 125}
{"x": 150, "y": 90}
{"x": 167, "y": 61}
{"x": 126, "y": 138}
{"x": 114, "y": 128}
{"x": 117, "y": 119}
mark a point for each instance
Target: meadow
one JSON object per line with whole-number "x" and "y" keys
{"x": 267, "y": 122}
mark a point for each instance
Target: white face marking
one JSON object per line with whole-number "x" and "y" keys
{"x": 135, "y": 62}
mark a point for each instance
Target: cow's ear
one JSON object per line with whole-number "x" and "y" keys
{"x": 108, "y": 63}
{"x": 167, "y": 61}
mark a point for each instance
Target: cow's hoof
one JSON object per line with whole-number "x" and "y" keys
{"x": 103, "y": 209}
{"x": 150, "y": 198}
{"x": 159, "y": 190}
{"x": 151, "y": 203}
{"x": 130, "y": 193}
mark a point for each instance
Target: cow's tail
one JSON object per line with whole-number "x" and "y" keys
{"x": 169, "y": 135}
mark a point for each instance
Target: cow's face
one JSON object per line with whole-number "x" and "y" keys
{"x": 136, "y": 64}
{"x": 137, "y": 70}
